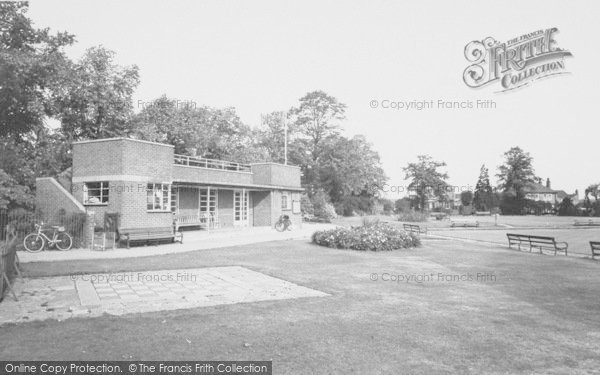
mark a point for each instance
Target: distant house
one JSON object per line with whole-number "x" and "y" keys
{"x": 544, "y": 193}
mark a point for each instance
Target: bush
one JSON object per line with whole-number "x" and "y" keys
{"x": 356, "y": 205}
{"x": 374, "y": 237}
{"x": 322, "y": 208}
{"x": 413, "y": 216}
{"x": 306, "y": 205}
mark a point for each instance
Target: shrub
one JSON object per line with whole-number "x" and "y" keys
{"x": 413, "y": 216}
{"x": 374, "y": 237}
{"x": 353, "y": 205}
{"x": 306, "y": 205}
{"x": 368, "y": 221}
{"x": 323, "y": 209}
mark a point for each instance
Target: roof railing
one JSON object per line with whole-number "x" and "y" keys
{"x": 198, "y": 162}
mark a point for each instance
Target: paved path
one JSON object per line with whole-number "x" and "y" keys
{"x": 192, "y": 241}
{"x": 139, "y": 292}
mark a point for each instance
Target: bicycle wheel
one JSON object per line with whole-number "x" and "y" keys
{"x": 33, "y": 243}
{"x": 63, "y": 241}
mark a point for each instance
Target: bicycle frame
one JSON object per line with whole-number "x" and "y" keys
{"x": 50, "y": 241}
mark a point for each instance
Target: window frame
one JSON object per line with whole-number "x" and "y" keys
{"x": 288, "y": 201}
{"x": 104, "y": 188}
{"x": 164, "y": 206}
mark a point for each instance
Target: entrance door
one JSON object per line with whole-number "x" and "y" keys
{"x": 240, "y": 208}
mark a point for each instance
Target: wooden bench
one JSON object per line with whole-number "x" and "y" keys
{"x": 587, "y": 223}
{"x": 538, "y": 242}
{"x": 595, "y": 245}
{"x": 202, "y": 220}
{"x": 9, "y": 261}
{"x": 413, "y": 228}
{"x": 147, "y": 235}
{"x": 464, "y": 223}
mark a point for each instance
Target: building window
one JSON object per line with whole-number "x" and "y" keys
{"x": 95, "y": 192}
{"x": 286, "y": 202}
{"x": 158, "y": 197}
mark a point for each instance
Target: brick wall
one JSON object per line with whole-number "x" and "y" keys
{"x": 277, "y": 210}
{"x": 51, "y": 197}
{"x": 276, "y": 174}
{"x": 262, "y": 208}
{"x": 203, "y": 175}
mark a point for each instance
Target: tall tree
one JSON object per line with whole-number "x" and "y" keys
{"x": 516, "y": 172}
{"x": 31, "y": 64}
{"x": 198, "y": 131}
{"x": 271, "y": 135}
{"x": 96, "y": 101}
{"x": 425, "y": 179}
{"x": 514, "y": 175}
{"x": 350, "y": 167}
{"x": 316, "y": 118}
{"x": 484, "y": 195}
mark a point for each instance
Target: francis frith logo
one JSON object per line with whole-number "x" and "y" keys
{"x": 515, "y": 63}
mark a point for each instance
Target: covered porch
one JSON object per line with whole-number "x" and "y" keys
{"x": 212, "y": 207}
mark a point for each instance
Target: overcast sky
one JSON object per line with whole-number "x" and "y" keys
{"x": 260, "y": 56}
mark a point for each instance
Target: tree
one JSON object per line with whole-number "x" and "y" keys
{"x": 516, "y": 172}
{"x": 567, "y": 208}
{"x": 13, "y": 195}
{"x": 96, "y": 100}
{"x": 316, "y": 119}
{"x": 483, "y": 197}
{"x": 403, "y": 205}
{"x": 350, "y": 167}
{"x": 593, "y": 208}
{"x": 425, "y": 179}
{"x": 271, "y": 135}
{"x": 199, "y": 131}
{"x": 466, "y": 197}
{"x": 32, "y": 63}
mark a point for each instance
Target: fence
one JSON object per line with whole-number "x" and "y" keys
{"x": 24, "y": 223}
{"x": 9, "y": 261}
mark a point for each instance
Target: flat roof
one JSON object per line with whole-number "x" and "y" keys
{"x": 234, "y": 185}
{"x": 122, "y": 139}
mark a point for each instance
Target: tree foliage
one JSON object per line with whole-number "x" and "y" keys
{"x": 32, "y": 63}
{"x": 425, "y": 179}
{"x": 95, "y": 99}
{"x": 513, "y": 176}
{"x": 483, "y": 197}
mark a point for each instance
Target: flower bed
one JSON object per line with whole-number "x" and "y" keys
{"x": 377, "y": 237}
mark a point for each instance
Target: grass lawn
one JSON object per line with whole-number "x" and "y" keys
{"x": 539, "y": 314}
{"x": 526, "y": 221}
{"x": 578, "y": 239}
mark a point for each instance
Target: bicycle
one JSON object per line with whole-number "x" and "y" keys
{"x": 284, "y": 223}
{"x": 35, "y": 242}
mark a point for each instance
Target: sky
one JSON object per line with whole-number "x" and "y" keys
{"x": 262, "y": 56}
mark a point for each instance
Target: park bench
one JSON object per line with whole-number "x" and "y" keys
{"x": 538, "y": 242}
{"x": 413, "y": 228}
{"x": 587, "y": 223}
{"x": 191, "y": 220}
{"x": 595, "y": 245}
{"x": 147, "y": 235}
{"x": 464, "y": 223}
{"x": 9, "y": 261}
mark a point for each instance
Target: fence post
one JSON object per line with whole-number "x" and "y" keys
{"x": 88, "y": 229}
